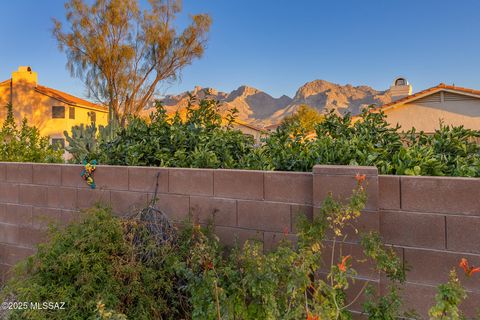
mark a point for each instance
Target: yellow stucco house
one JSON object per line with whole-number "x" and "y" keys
{"x": 423, "y": 110}
{"x": 51, "y": 111}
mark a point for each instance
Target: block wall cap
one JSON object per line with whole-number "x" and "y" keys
{"x": 344, "y": 170}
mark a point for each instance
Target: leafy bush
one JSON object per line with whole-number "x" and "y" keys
{"x": 94, "y": 261}
{"x": 203, "y": 140}
{"x": 450, "y": 151}
{"x": 198, "y": 141}
{"x": 281, "y": 284}
{"x": 25, "y": 144}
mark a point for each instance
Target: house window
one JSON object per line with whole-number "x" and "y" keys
{"x": 58, "y": 143}
{"x": 400, "y": 82}
{"x": 93, "y": 116}
{"x": 58, "y": 112}
{"x": 71, "y": 113}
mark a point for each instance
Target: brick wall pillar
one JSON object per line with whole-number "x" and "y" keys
{"x": 340, "y": 182}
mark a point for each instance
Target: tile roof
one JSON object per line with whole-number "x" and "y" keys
{"x": 69, "y": 99}
{"x": 440, "y": 87}
{"x": 273, "y": 126}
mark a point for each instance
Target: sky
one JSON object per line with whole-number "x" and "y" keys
{"x": 278, "y": 45}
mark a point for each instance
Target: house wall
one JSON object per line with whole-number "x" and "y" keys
{"x": 42, "y": 116}
{"x": 256, "y": 134}
{"x": 4, "y": 99}
{"x": 432, "y": 222}
{"x": 425, "y": 115}
{"x": 37, "y": 107}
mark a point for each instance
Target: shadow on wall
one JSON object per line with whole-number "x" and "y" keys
{"x": 36, "y": 107}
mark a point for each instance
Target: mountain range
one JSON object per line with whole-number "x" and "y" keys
{"x": 259, "y": 108}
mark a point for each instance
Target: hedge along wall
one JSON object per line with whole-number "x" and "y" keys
{"x": 431, "y": 221}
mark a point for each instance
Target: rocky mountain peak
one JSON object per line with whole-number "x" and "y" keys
{"x": 243, "y": 91}
{"x": 260, "y": 108}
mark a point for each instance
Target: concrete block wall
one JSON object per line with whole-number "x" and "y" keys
{"x": 242, "y": 204}
{"x": 431, "y": 221}
{"x": 434, "y": 222}
{"x": 339, "y": 181}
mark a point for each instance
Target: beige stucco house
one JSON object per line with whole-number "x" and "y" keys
{"x": 423, "y": 110}
{"x": 250, "y": 130}
{"x": 51, "y": 111}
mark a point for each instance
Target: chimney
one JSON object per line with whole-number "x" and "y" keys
{"x": 24, "y": 82}
{"x": 25, "y": 75}
{"x": 400, "y": 88}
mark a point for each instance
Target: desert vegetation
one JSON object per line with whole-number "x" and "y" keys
{"x": 204, "y": 140}
{"x": 141, "y": 267}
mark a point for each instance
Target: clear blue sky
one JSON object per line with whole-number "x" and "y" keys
{"x": 278, "y": 45}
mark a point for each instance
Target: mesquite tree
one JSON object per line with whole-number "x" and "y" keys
{"x": 122, "y": 53}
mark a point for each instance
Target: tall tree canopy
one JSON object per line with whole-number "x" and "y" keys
{"x": 122, "y": 53}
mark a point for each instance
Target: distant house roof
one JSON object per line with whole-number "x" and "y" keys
{"x": 241, "y": 123}
{"x": 273, "y": 127}
{"x": 68, "y": 98}
{"x": 427, "y": 92}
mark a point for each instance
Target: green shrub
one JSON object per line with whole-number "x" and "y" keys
{"x": 201, "y": 140}
{"x": 94, "y": 261}
{"x": 250, "y": 284}
{"x": 25, "y": 144}
{"x": 204, "y": 140}
{"x": 449, "y": 151}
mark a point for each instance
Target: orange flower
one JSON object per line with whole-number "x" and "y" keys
{"x": 312, "y": 317}
{"x": 285, "y": 231}
{"x": 208, "y": 265}
{"x": 469, "y": 271}
{"x": 343, "y": 266}
{"x": 360, "y": 178}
